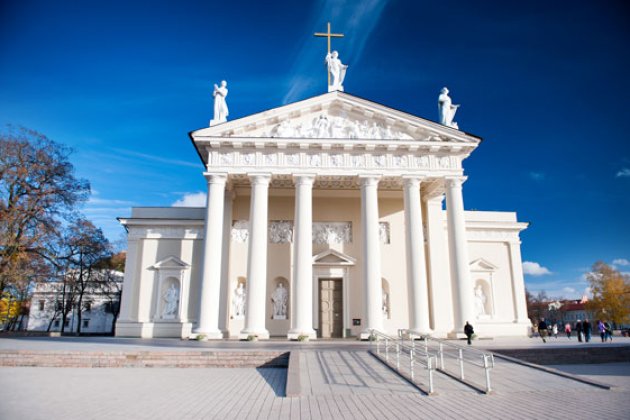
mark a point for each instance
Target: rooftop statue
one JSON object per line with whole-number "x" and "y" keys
{"x": 220, "y": 106}
{"x": 337, "y": 70}
{"x": 446, "y": 109}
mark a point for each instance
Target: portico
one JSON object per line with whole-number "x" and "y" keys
{"x": 338, "y": 201}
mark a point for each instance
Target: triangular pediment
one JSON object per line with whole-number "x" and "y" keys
{"x": 170, "y": 263}
{"x": 335, "y": 115}
{"x": 332, "y": 257}
{"x": 481, "y": 264}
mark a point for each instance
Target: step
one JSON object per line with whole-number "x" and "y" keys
{"x": 180, "y": 359}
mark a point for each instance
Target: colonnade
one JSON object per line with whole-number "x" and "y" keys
{"x": 302, "y": 307}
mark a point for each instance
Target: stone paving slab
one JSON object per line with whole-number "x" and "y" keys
{"x": 215, "y": 393}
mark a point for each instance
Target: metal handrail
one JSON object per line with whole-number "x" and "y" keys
{"x": 416, "y": 356}
{"x": 461, "y": 354}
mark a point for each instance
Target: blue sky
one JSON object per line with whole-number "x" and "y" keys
{"x": 544, "y": 83}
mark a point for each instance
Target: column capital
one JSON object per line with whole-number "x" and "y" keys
{"x": 369, "y": 180}
{"x": 304, "y": 179}
{"x": 455, "y": 181}
{"x": 259, "y": 178}
{"x": 216, "y": 177}
{"x": 413, "y": 180}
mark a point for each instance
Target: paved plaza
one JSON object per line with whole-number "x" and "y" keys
{"x": 339, "y": 380}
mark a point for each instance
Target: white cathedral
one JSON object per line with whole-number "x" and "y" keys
{"x": 327, "y": 217}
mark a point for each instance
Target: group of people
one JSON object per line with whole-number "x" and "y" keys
{"x": 583, "y": 330}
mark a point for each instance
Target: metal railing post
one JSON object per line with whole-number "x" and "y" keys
{"x": 430, "y": 367}
{"x": 411, "y": 364}
{"x": 487, "y": 368}
{"x": 461, "y": 364}
{"x": 441, "y": 355}
{"x": 398, "y": 356}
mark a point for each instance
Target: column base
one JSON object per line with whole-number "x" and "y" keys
{"x": 206, "y": 335}
{"x": 365, "y": 334}
{"x": 249, "y": 334}
{"x": 295, "y": 333}
{"x": 417, "y": 333}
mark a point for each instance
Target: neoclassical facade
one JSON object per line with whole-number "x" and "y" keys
{"x": 327, "y": 217}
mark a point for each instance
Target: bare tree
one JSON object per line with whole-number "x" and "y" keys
{"x": 37, "y": 190}
{"x": 85, "y": 249}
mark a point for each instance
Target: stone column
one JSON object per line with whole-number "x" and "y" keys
{"x": 373, "y": 291}
{"x": 441, "y": 294}
{"x": 212, "y": 246}
{"x": 257, "y": 258}
{"x": 302, "y": 309}
{"x": 130, "y": 282}
{"x": 416, "y": 260}
{"x": 518, "y": 283}
{"x": 458, "y": 250}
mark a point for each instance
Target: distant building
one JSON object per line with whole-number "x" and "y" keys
{"x": 100, "y": 305}
{"x": 574, "y": 310}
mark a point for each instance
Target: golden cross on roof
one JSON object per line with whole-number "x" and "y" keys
{"x": 329, "y": 35}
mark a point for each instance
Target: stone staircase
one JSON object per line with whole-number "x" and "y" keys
{"x": 147, "y": 359}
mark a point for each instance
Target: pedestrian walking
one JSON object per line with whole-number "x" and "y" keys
{"x": 586, "y": 326}
{"x": 579, "y": 329}
{"x": 601, "y": 329}
{"x": 567, "y": 330}
{"x": 469, "y": 331}
{"x": 542, "y": 329}
{"x": 608, "y": 331}
{"x": 554, "y": 330}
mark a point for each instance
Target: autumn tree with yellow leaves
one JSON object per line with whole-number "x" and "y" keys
{"x": 611, "y": 294}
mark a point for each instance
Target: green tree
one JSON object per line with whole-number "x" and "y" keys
{"x": 611, "y": 294}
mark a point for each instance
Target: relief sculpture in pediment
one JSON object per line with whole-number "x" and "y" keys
{"x": 326, "y": 127}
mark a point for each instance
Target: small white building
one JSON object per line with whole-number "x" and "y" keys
{"x": 327, "y": 217}
{"x": 100, "y": 303}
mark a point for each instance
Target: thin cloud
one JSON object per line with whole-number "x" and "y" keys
{"x": 534, "y": 269}
{"x": 158, "y": 159}
{"x": 109, "y": 202}
{"x": 624, "y": 173}
{"x": 621, "y": 261}
{"x": 537, "y": 176}
{"x": 197, "y": 199}
{"x": 356, "y": 20}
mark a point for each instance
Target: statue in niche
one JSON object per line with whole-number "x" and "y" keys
{"x": 238, "y": 302}
{"x": 171, "y": 300}
{"x": 280, "y": 298}
{"x": 480, "y": 301}
{"x": 385, "y": 306}
{"x": 446, "y": 109}
{"x": 220, "y": 105}
{"x": 337, "y": 71}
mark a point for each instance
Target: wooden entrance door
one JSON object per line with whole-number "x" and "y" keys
{"x": 331, "y": 308}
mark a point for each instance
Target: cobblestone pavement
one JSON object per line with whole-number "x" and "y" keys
{"x": 349, "y": 385}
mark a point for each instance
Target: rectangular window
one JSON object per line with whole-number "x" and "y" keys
{"x": 66, "y": 323}
{"x": 59, "y": 305}
{"x": 88, "y": 305}
{"x": 42, "y": 305}
{"x": 56, "y": 323}
{"x": 108, "y": 308}
{"x": 86, "y": 323}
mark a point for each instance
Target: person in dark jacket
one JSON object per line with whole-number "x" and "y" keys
{"x": 579, "y": 330}
{"x": 542, "y": 329}
{"x": 587, "y": 330}
{"x": 469, "y": 331}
